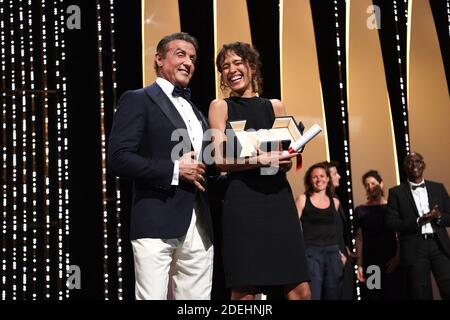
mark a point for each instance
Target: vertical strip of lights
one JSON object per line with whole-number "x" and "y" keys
{"x": 405, "y": 2}
{"x": 4, "y": 148}
{"x": 117, "y": 180}
{"x": 33, "y": 151}
{"x": 448, "y": 16}
{"x": 14, "y": 154}
{"x": 46, "y": 149}
{"x": 24, "y": 153}
{"x": 63, "y": 93}
{"x": 401, "y": 79}
{"x": 59, "y": 145}
{"x": 103, "y": 151}
{"x": 344, "y": 117}
{"x": 216, "y": 45}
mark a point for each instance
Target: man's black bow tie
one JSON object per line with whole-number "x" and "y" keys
{"x": 179, "y": 91}
{"x": 422, "y": 185}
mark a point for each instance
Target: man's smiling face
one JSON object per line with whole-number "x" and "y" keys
{"x": 178, "y": 64}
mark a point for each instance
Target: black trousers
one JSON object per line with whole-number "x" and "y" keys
{"x": 430, "y": 257}
{"x": 326, "y": 271}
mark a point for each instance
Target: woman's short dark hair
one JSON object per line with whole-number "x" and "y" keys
{"x": 161, "y": 48}
{"x": 309, "y": 189}
{"x": 331, "y": 164}
{"x": 249, "y": 55}
{"x": 371, "y": 173}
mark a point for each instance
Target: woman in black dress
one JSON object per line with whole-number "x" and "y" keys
{"x": 262, "y": 238}
{"x": 375, "y": 244}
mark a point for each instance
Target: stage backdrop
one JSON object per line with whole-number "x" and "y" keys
{"x": 371, "y": 142}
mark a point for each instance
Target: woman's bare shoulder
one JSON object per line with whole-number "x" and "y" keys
{"x": 278, "y": 107}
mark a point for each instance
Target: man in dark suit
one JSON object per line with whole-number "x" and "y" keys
{"x": 156, "y": 141}
{"x": 419, "y": 210}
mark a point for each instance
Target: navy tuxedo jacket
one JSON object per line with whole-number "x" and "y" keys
{"x": 140, "y": 148}
{"x": 402, "y": 217}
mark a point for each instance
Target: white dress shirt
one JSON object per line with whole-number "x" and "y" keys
{"x": 420, "y": 196}
{"x": 193, "y": 125}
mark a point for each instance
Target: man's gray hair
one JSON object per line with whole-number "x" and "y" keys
{"x": 161, "y": 49}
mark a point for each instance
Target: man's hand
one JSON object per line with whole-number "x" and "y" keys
{"x": 435, "y": 213}
{"x": 191, "y": 170}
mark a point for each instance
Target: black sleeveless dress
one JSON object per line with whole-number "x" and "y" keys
{"x": 262, "y": 237}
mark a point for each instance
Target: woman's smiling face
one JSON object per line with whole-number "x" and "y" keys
{"x": 237, "y": 74}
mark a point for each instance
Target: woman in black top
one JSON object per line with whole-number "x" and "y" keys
{"x": 262, "y": 239}
{"x": 317, "y": 209}
{"x": 375, "y": 244}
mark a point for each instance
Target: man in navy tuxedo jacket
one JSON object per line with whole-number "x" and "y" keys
{"x": 170, "y": 219}
{"x": 420, "y": 211}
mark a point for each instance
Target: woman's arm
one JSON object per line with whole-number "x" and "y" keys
{"x": 359, "y": 253}
{"x": 278, "y": 107}
{"x": 394, "y": 262}
{"x": 300, "y": 204}
{"x": 218, "y": 116}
